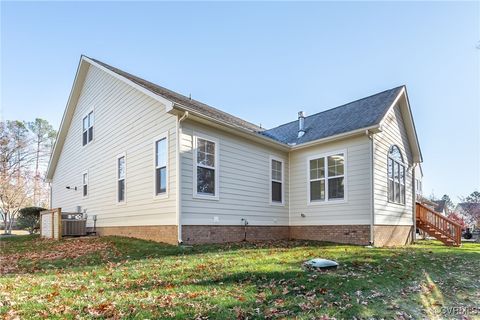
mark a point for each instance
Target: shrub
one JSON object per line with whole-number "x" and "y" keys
{"x": 29, "y": 218}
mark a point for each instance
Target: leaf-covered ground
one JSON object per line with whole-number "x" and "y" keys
{"x": 114, "y": 277}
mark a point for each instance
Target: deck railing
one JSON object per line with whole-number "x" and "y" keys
{"x": 439, "y": 223}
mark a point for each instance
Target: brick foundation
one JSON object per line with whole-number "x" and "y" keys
{"x": 167, "y": 234}
{"x": 218, "y": 234}
{"x": 388, "y": 236}
{"x": 352, "y": 234}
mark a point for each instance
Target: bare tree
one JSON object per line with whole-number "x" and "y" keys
{"x": 471, "y": 207}
{"x": 43, "y": 139}
{"x": 15, "y": 162}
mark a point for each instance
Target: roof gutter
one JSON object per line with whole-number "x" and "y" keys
{"x": 372, "y": 129}
{"x": 266, "y": 140}
{"x": 172, "y": 106}
{"x": 250, "y": 133}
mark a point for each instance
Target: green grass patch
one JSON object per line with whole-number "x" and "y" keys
{"x": 114, "y": 277}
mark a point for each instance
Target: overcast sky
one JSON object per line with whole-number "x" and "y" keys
{"x": 264, "y": 62}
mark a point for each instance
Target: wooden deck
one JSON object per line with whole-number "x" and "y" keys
{"x": 438, "y": 226}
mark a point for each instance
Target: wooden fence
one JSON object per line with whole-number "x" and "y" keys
{"x": 51, "y": 224}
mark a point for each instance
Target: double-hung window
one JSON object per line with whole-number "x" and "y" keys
{"x": 161, "y": 155}
{"x": 317, "y": 179}
{"x": 396, "y": 176}
{"x": 121, "y": 176}
{"x": 276, "y": 175}
{"x": 418, "y": 186}
{"x": 85, "y": 184}
{"x": 326, "y": 178}
{"x": 206, "y": 168}
{"x": 87, "y": 132}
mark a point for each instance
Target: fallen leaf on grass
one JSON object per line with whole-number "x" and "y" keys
{"x": 67, "y": 250}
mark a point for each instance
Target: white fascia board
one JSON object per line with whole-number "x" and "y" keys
{"x": 413, "y": 132}
{"x": 266, "y": 140}
{"x": 413, "y": 138}
{"x": 66, "y": 118}
{"x": 392, "y": 105}
{"x": 167, "y": 103}
{"x": 362, "y": 131}
{"x": 75, "y": 93}
{"x": 194, "y": 115}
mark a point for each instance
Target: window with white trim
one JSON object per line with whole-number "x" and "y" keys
{"x": 85, "y": 184}
{"x": 121, "y": 175}
{"x": 87, "y": 132}
{"x": 327, "y": 178}
{"x": 206, "y": 167}
{"x": 396, "y": 176}
{"x": 276, "y": 175}
{"x": 161, "y": 154}
{"x": 418, "y": 186}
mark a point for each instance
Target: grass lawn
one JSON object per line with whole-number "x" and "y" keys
{"x": 114, "y": 277}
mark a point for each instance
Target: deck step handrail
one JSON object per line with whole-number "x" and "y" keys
{"x": 449, "y": 229}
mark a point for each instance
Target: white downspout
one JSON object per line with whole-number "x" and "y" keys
{"x": 372, "y": 182}
{"x": 289, "y": 195}
{"x": 179, "y": 175}
{"x": 414, "y": 204}
{"x": 51, "y": 194}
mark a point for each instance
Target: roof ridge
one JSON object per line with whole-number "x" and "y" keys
{"x": 169, "y": 91}
{"x": 342, "y": 105}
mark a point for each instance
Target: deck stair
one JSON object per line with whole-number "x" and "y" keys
{"x": 438, "y": 226}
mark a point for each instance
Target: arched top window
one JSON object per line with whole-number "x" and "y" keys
{"x": 395, "y": 154}
{"x": 396, "y": 176}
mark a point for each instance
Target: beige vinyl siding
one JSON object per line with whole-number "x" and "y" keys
{"x": 356, "y": 209}
{"x": 393, "y": 133}
{"x": 126, "y": 121}
{"x": 244, "y": 181}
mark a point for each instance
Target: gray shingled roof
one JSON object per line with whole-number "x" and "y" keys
{"x": 355, "y": 115}
{"x": 470, "y": 206}
{"x": 191, "y": 104}
{"x": 440, "y": 205}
